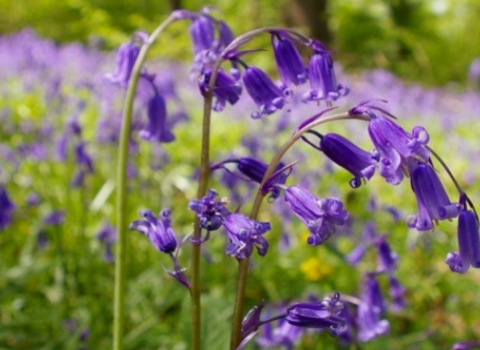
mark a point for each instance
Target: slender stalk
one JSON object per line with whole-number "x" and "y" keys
{"x": 243, "y": 264}
{"x": 447, "y": 169}
{"x": 236, "y": 335}
{"x": 121, "y": 246}
{"x": 197, "y": 231}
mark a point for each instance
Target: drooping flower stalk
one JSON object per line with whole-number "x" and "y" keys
{"x": 243, "y": 263}
{"x": 121, "y": 206}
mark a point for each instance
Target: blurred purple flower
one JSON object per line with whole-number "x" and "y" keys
{"x": 108, "y": 236}
{"x": 387, "y": 259}
{"x": 126, "y": 56}
{"x": 466, "y": 345}
{"x": 157, "y": 130}
{"x": 397, "y": 293}
{"x": 55, "y": 218}
{"x": 33, "y": 199}
{"x": 6, "y": 208}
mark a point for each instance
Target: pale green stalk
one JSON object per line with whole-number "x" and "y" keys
{"x": 122, "y": 224}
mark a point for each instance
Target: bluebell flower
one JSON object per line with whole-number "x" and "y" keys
{"x": 370, "y": 326}
{"x": 468, "y": 243}
{"x": 396, "y": 292}
{"x": 290, "y": 64}
{"x": 126, "y": 56}
{"x": 397, "y": 149}
{"x": 371, "y": 307}
{"x": 108, "y": 236}
{"x": 33, "y": 199}
{"x": 346, "y": 154}
{"x": 321, "y": 216}
{"x": 202, "y": 33}
{"x": 266, "y": 95}
{"x": 211, "y": 210}
{"x": 157, "y": 130}
{"x": 372, "y": 294}
{"x": 466, "y": 345}
{"x": 251, "y": 321}
{"x": 227, "y": 89}
{"x": 82, "y": 158}
{"x": 432, "y": 199}
{"x": 159, "y": 231}
{"x": 320, "y": 315}
{"x": 55, "y": 218}
{"x": 387, "y": 259}
{"x": 322, "y": 78}
{"x": 369, "y": 234}
{"x": 42, "y": 239}
{"x": 244, "y": 234}
{"x": 255, "y": 170}
{"x": 6, "y": 208}
{"x": 225, "y": 35}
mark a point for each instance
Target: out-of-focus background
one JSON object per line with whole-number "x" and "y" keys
{"x": 59, "y": 124}
{"x": 431, "y": 41}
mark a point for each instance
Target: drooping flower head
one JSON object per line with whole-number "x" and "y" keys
{"x": 157, "y": 129}
{"x": 346, "y": 154}
{"x": 320, "y": 315}
{"x": 468, "y": 241}
{"x": 126, "y": 56}
{"x": 266, "y": 95}
{"x": 290, "y": 65}
{"x": 396, "y": 292}
{"x": 322, "y": 78}
{"x": 244, "y": 234}
{"x": 254, "y": 170}
{"x": 372, "y": 306}
{"x": 159, "y": 231}
{"x": 397, "y": 148}
{"x": 227, "y": 88}
{"x": 432, "y": 199}
{"x": 387, "y": 259}
{"x": 321, "y": 216}
{"x": 211, "y": 210}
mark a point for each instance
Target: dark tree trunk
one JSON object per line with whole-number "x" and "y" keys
{"x": 311, "y": 14}
{"x": 175, "y": 4}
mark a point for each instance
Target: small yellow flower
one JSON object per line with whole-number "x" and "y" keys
{"x": 314, "y": 269}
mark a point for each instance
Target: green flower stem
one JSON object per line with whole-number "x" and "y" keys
{"x": 447, "y": 169}
{"x": 197, "y": 231}
{"x": 121, "y": 246}
{"x": 243, "y": 264}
